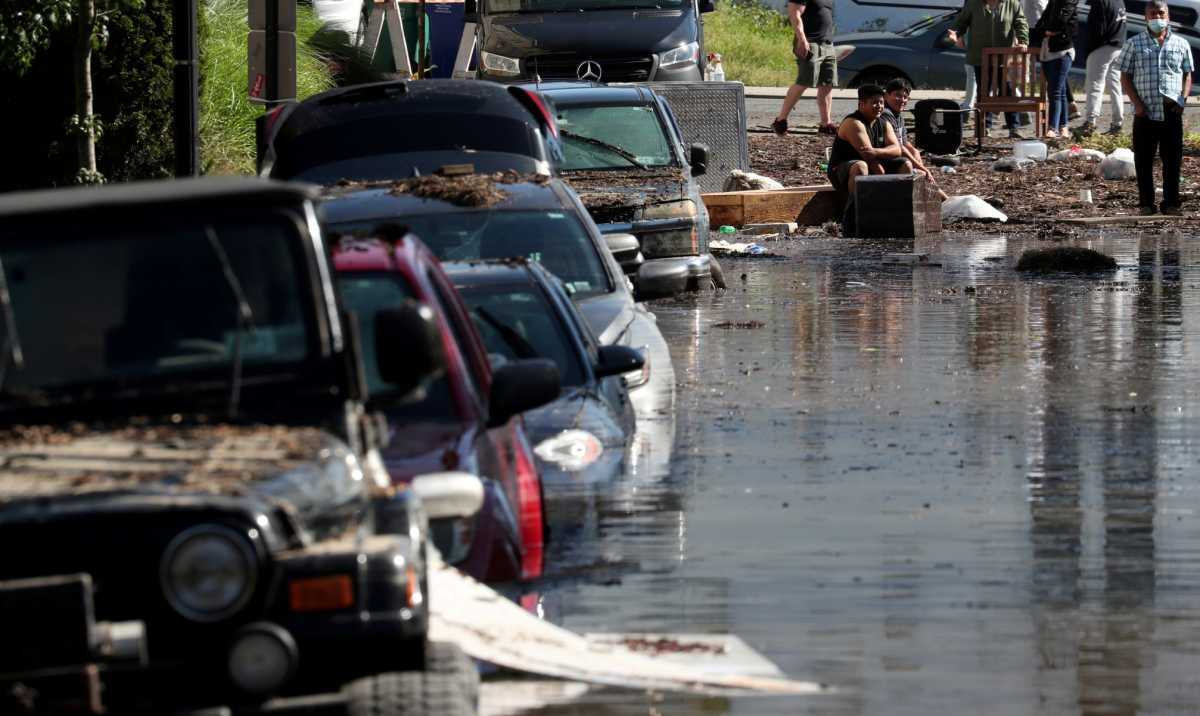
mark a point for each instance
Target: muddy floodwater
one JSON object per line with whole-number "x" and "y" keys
{"x": 938, "y": 489}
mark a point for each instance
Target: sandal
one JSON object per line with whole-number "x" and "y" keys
{"x": 827, "y": 129}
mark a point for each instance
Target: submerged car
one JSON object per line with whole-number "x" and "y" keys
{"x": 392, "y": 130}
{"x": 190, "y": 459}
{"x": 483, "y": 217}
{"x": 452, "y": 423}
{"x": 623, "y": 153}
{"x": 523, "y": 312}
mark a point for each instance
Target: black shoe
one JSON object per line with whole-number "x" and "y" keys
{"x": 1014, "y": 133}
{"x": 779, "y": 126}
{"x": 1171, "y": 211}
{"x": 1147, "y": 211}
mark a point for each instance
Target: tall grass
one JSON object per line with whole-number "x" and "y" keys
{"x": 755, "y": 43}
{"x": 226, "y": 115}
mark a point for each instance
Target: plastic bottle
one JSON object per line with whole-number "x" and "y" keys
{"x": 716, "y": 71}
{"x": 1030, "y": 149}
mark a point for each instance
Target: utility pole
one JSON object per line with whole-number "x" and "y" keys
{"x": 271, "y": 45}
{"x": 187, "y": 87}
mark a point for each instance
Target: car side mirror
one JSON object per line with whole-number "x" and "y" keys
{"x": 945, "y": 42}
{"x": 699, "y": 159}
{"x": 618, "y": 360}
{"x": 522, "y": 385}
{"x": 706, "y": 5}
{"x": 471, "y": 11}
{"x": 408, "y": 345}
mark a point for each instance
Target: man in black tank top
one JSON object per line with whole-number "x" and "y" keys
{"x": 865, "y": 144}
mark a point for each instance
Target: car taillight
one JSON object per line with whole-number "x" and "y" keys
{"x": 534, "y": 103}
{"x": 530, "y": 494}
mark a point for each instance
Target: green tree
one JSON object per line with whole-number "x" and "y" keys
{"x": 27, "y": 28}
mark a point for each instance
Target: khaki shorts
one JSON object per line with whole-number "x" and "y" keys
{"x": 819, "y": 68}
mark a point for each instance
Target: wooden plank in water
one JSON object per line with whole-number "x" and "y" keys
{"x": 760, "y": 206}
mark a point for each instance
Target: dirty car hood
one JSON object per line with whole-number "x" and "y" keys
{"x": 306, "y": 469}
{"x": 620, "y": 195}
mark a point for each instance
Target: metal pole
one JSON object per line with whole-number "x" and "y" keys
{"x": 186, "y": 87}
{"x": 272, "y": 41}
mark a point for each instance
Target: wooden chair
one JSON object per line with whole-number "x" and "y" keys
{"x": 1024, "y": 91}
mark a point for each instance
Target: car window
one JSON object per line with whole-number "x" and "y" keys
{"x": 925, "y": 24}
{"x": 302, "y": 153}
{"x": 556, "y": 239}
{"x": 365, "y": 294}
{"x": 608, "y": 137}
{"x": 131, "y": 302}
{"x": 518, "y": 322}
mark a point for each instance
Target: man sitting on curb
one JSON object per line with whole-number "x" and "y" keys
{"x": 865, "y": 144}
{"x": 895, "y": 98}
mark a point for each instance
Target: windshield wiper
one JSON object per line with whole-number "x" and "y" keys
{"x": 512, "y": 339}
{"x": 244, "y": 317}
{"x": 10, "y": 352}
{"x": 619, "y": 151}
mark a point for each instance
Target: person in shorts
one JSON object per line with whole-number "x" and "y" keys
{"x": 816, "y": 61}
{"x": 865, "y": 144}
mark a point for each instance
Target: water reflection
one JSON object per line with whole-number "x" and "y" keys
{"x": 940, "y": 489}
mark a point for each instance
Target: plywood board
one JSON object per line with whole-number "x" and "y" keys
{"x": 738, "y": 208}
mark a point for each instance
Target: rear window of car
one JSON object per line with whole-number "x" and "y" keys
{"x": 300, "y": 152}
{"x": 612, "y": 136}
{"x": 518, "y": 322}
{"x": 365, "y": 294}
{"x": 556, "y": 239}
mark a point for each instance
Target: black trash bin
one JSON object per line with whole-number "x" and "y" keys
{"x": 939, "y": 132}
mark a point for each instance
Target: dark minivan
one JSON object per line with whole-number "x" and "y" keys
{"x": 592, "y": 40}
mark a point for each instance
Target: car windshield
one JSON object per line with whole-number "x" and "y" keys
{"x": 133, "y": 303}
{"x": 518, "y": 322}
{"x": 365, "y": 294}
{"x": 557, "y": 239}
{"x": 353, "y": 148}
{"x": 500, "y": 6}
{"x": 608, "y": 137}
{"x": 923, "y": 25}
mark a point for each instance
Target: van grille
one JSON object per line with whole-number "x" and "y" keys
{"x": 612, "y": 69}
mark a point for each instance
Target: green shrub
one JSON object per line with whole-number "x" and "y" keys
{"x": 754, "y": 41}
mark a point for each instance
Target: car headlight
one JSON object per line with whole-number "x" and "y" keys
{"x": 571, "y": 450}
{"x": 684, "y": 209}
{"x": 208, "y": 572}
{"x": 499, "y": 64}
{"x": 688, "y": 54}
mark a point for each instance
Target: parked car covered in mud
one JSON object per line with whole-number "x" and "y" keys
{"x": 475, "y": 217}
{"x": 623, "y": 153}
{"x": 190, "y": 489}
{"x": 462, "y": 419}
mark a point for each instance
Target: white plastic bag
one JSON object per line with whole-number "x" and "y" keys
{"x": 970, "y": 206}
{"x": 1090, "y": 155}
{"x": 1118, "y": 165}
{"x": 1012, "y": 164}
{"x": 739, "y": 180}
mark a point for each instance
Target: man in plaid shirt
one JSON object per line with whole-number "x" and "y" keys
{"x": 1156, "y": 74}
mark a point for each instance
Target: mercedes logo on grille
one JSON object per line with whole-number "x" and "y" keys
{"x": 588, "y": 71}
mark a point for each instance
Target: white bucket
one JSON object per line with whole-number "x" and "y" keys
{"x": 1030, "y": 149}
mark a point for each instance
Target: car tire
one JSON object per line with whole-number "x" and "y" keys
{"x": 717, "y": 273}
{"x": 444, "y": 657}
{"x": 408, "y": 693}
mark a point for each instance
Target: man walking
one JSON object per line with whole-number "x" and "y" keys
{"x": 816, "y": 62}
{"x": 1106, "y": 34}
{"x": 1156, "y": 73}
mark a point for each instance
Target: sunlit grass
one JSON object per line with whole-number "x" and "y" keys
{"x": 226, "y": 115}
{"x": 755, "y": 43}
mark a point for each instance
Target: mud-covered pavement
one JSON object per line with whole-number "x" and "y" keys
{"x": 938, "y": 489}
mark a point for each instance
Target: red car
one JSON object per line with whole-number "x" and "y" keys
{"x": 446, "y": 424}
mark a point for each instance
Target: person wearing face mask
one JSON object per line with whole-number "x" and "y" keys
{"x": 1156, "y": 74}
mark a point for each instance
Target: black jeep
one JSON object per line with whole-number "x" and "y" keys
{"x": 192, "y": 509}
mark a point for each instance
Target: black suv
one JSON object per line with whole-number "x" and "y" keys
{"x": 399, "y": 129}
{"x": 191, "y": 499}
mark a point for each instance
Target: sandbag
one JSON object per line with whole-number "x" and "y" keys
{"x": 1090, "y": 155}
{"x": 739, "y": 180}
{"x": 1118, "y": 165}
{"x": 970, "y": 206}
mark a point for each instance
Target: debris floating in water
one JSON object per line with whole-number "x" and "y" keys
{"x": 1065, "y": 258}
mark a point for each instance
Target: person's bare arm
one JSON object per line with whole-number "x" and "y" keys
{"x": 1187, "y": 87}
{"x": 795, "y": 13}
{"x": 912, "y": 154}
{"x": 855, "y": 132}
{"x": 1139, "y": 107}
{"x": 891, "y": 145}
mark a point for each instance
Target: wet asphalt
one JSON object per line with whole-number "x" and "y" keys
{"x": 938, "y": 489}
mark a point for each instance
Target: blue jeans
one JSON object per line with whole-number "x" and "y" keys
{"x": 1056, "y": 90}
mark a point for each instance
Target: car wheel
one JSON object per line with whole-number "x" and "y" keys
{"x": 409, "y": 693}
{"x": 718, "y": 274}
{"x": 444, "y": 657}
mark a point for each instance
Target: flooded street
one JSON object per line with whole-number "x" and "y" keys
{"x": 937, "y": 489}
